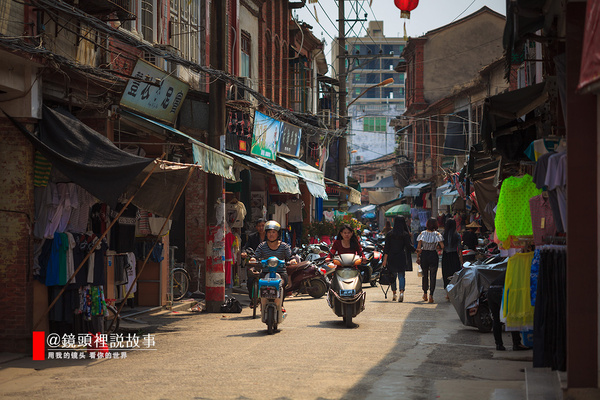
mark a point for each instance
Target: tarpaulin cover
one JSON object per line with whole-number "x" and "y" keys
{"x": 415, "y": 189}
{"x": 505, "y": 108}
{"x": 160, "y": 191}
{"x": 469, "y": 283}
{"x": 590, "y": 55}
{"x": 85, "y": 156}
{"x": 382, "y": 197}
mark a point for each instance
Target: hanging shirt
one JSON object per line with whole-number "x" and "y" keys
{"x": 517, "y": 307}
{"x": 513, "y": 216}
{"x": 122, "y": 236}
{"x": 280, "y": 214}
{"x": 542, "y": 219}
{"x": 41, "y": 170}
{"x": 235, "y": 213}
{"x": 295, "y": 214}
{"x": 328, "y": 215}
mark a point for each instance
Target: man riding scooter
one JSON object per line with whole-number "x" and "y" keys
{"x": 274, "y": 247}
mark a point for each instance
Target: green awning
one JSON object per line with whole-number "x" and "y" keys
{"x": 313, "y": 178}
{"x": 287, "y": 181}
{"x": 210, "y": 159}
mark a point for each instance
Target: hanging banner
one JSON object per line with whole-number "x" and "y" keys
{"x": 289, "y": 140}
{"x": 265, "y": 137}
{"x": 154, "y": 92}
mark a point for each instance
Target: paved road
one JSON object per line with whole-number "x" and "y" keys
{"x": 409, "y": 350}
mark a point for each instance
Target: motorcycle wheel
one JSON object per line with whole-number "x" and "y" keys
{"x": 270, "y": 320}
{"x": 348, "y": 315}
{"x": 483, "y": 319}
{"x": 317, "y": 288}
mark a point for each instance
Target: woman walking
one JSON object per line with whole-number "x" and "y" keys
{"x": 427, "y": 256}
{"x": 397, "y": 246}
{"x": 452, "y": 260}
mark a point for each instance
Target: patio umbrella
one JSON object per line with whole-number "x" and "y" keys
{"x": 400, "y": 209}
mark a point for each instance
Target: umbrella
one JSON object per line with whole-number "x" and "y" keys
{"x": 369, "y": 215}
{"x": 400, "y": 209}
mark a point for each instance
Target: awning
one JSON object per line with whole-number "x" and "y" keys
{"x": 369, "y": 208}
{"x": 376, "y": 197}
{"x": 287, "y": 181}
{"x": 455, "y": 143}
{"x": 384, "y": 183}
{"x": 353, "y": 194}
{"x": 441, "y": 189}
{"x": 448, "y": 197}
{"x": 313, "y": 178}
{"x": 500, "y": 112}
{"x": 210, "y": 159}
{"x": 85, "y": 156}
{"x": 415, "y": 189}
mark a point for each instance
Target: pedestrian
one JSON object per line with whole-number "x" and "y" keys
{"x": 494, "y": 297}
{"x": 469, "y": 237}
{"x": 398, "y": 245}
{"x": 430, "y": 240}
{"x": 452, "y": 260}
{"x": 387, "y": 228}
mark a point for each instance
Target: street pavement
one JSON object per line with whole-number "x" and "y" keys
{"x": 409, "y": 350}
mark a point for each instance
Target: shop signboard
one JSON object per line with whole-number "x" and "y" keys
{"x": 265, "y": 136}
{"x": 239, "y": 132}
{"x": 154, "y": 92}
{"x": 289, "y": 140}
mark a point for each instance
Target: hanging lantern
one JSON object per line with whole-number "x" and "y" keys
{"x": 406, "y": 6}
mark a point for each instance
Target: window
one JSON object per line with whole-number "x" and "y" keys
{"x": 401, "y": 78}
{"x": 246, "y": 54}
{"x": 374, "y": 124}
{"x": 148, "y": 20}
{"x": 185, "y": 30}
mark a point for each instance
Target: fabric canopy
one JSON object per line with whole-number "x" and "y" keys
{"x": 313, "y": 178}
{"x": 369, "y": 208}
{"x": 384, "y": 183}
{"x": 287, "y": 181}
{"x": 382, "y": 197}
{"x": 503, "y": 109}
{"x": 415, "y": 189}
{"x": 353, "y": 194}
{"x": 211, "y": 160}
{"x": 85, "y": 156}
{"x": 441, "y": 189}
{"x": 448, "y": 197}
{"x": 159, "y": 193}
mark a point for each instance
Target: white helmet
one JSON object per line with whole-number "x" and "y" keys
{"x": 272, "y": 225}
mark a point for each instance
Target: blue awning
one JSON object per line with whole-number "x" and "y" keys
{"x": 210, "y": 159}
{"x": 287, "y": 181}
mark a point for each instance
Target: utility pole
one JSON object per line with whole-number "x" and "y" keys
{"x": 215, "y": 202}
{"x": 342, "y": 141}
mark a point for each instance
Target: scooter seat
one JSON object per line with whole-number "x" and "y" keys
{"x": 291, "y": 268}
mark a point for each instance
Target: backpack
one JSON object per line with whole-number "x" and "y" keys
{"x": 231, "y": 305}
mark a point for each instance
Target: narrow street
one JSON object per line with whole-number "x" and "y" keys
{"x": 409, "y": 350}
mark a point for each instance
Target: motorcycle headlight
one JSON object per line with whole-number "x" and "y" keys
{"x": 347, "y": 273}
{"x": 273, "y": 262}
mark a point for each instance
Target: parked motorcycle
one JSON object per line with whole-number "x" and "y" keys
{"x": 306, "y": 277}
{"x": 372, "y": 263}
{"x": 271, "y": 295}
{"x": 346, "y": 297}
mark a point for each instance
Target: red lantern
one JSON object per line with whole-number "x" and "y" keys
{"x": 406, "y": 6}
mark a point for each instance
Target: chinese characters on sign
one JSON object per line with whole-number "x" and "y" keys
{"x": 88, "y": 346}
{"x": 289, "y": 139}
{"x": 153, "y": 92}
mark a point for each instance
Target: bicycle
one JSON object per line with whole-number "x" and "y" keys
{"x": 180, "y": 281}
{"x": 111, "y": 315}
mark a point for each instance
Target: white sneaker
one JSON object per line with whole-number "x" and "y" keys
{"x": 394, "y": 298}
{"x": 401, "y": 298}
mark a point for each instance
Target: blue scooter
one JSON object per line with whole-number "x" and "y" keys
{"x": 271, "y": 295}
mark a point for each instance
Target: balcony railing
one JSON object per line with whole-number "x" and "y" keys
{"x": 106, "y": 9}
